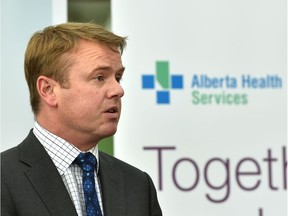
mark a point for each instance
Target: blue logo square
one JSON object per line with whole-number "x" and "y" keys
{"x": 177, "y": 81}
{"x": 148, "y": 82}
{"x": 163, "y": 97}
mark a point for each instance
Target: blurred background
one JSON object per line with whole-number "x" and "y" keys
{"x": 98, "y": 11}
{"x": 210, "y": 150}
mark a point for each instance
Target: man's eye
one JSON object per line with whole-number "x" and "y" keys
{"x": 99, "y": 78}
{"x": 118, "y": 78}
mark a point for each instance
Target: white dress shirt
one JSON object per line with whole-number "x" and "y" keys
{"x": 63, "y": 154}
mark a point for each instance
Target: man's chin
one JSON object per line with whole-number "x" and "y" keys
{"x": 109, "y": 133}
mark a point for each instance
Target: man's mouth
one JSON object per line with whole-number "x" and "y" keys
{"x": 112, "y": 110}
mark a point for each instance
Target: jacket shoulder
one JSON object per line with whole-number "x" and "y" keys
{"x": 117, "y": 163}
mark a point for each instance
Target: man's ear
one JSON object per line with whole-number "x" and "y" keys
{"x": 45, "y": 87}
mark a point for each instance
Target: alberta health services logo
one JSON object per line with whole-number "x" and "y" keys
{"x": 202, "y": 84}
{"x": 166, "y": 81}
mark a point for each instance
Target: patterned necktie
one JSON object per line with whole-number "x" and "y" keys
{"x": 87, "y": 162}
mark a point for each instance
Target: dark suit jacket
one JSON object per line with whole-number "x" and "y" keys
{"x": 32, "y": 186}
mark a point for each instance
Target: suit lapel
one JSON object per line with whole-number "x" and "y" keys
{"x": 45, "y": 178}
{"x": 112, "y": 185}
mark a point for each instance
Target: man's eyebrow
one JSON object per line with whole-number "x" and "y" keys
{"x": 120, "y": 70}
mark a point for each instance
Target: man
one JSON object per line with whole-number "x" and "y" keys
{"x": 73, "y": 72}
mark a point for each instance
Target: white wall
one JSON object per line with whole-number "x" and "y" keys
{"x": 19, "y": 20}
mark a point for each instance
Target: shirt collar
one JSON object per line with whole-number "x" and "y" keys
{"x": 60, "y": 151}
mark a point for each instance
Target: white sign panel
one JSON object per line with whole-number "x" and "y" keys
{"x": 204, "y": 111}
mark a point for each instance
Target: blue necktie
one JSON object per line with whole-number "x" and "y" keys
{"x": 87, "y": 162}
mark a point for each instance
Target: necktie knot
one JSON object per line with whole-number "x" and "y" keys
{"x": 87, "y": 161}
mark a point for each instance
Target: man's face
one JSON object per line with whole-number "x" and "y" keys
{"x": 91, "y": 106}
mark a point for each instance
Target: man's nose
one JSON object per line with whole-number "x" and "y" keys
{"x": 115, "y": 90}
